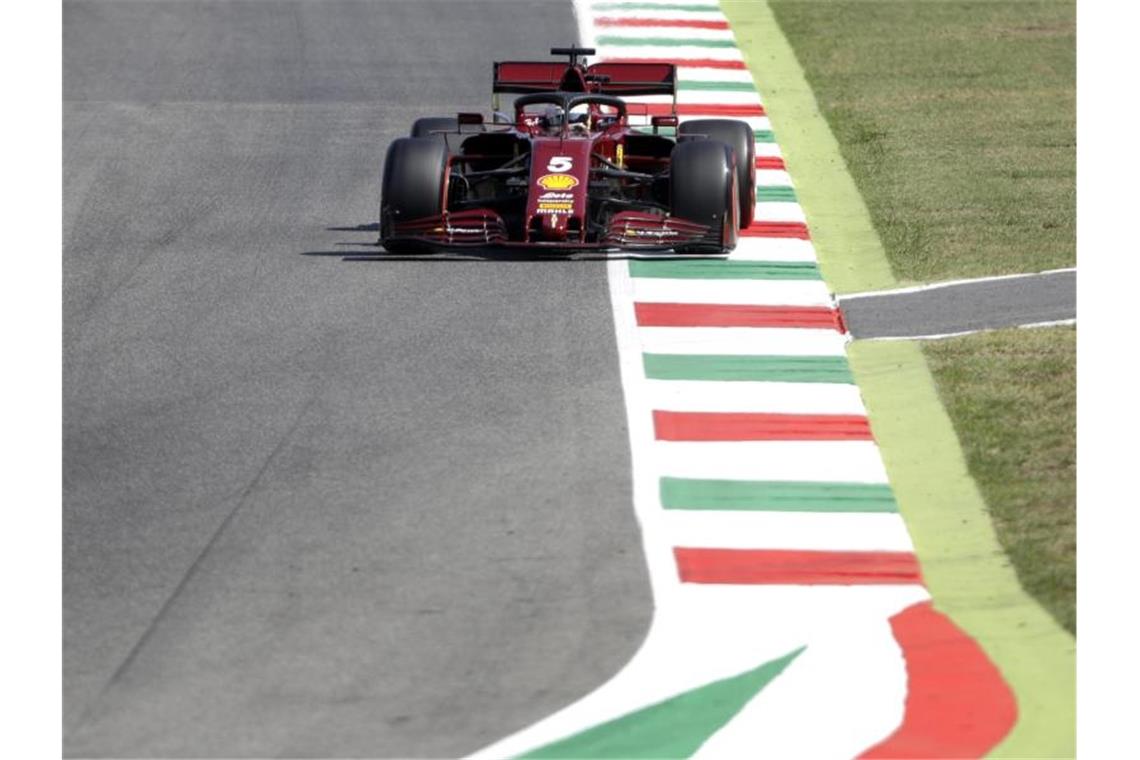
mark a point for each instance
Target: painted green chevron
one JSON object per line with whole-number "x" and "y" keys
{"x": 721, "y": 269}
{"x": 606, "y": 39}
{"x": 775, "y": 193}
{"x": 775, "y": 496}
{"x": 676, "y": 727}
{"x": 698, "y": 84}
{"x": 773, "y": 369}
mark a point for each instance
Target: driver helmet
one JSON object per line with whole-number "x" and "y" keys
{"x": 551, "y": 119}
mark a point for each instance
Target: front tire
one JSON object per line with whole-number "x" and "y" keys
{"x": 738, "y": 136}
{"x": 413, "y": 187}
{"x": 703, "y": 189}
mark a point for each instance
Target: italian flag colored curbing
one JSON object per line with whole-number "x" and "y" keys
{"x": 791, "y": 615}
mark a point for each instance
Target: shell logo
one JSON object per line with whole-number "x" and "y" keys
{"x": 557, "y": 181}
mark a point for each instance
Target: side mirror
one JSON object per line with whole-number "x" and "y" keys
{"x": 663, "y": 121}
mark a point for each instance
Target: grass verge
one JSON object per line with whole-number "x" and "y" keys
{"x": 1012, "y": 397}
{"x": 957, "y": 121}
{"x": 969, "y": 575}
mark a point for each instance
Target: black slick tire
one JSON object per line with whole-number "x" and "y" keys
{"x": 703, "y": 189}
{"x": 740, "y": 137}
{"x": 413, "y": 187}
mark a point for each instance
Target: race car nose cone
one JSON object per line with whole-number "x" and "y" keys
{"x": 555, "y": 226}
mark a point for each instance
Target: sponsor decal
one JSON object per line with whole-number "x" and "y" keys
{"x": 557, "y": 181}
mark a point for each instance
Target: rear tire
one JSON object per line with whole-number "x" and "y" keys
{"x": 415, "y": 180}
{"x": 703, "y": 189}
{"x": 738, "y": 136}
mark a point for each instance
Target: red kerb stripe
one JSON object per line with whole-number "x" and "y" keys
{"x": 692, "y": 63}
{"x": 740, "y": 426}
{"x": 769, "y": 162}
{"x": 661, "y": 22}
{"x": 777, "y": 230}
{"x": 734, "y": 315}
{"x": 957, "y": 703}
{"x": 788, "y": 567}
{"x": 701, "y": 109}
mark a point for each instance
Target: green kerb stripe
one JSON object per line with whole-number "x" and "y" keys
{"x": 699, "y": 84}
{"x": 676, "y": 727}
{"x": 772, "y": 369}
{"x": 776, "y": 496}
{"x": 664, "y": 42}
{"x": 719, "y": 269}
{"x": 764, "y": 135}
{"x": 775, "y": 193}
{"x": 655, "y": 7}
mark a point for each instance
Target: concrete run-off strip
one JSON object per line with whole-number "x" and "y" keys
{"x": 962, "y": 306}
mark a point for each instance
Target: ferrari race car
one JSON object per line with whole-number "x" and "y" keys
{"x": 567, "y": 171}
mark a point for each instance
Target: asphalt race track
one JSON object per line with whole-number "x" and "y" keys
{"x": 317, "y": 507}
{"x": 964, "y": 307}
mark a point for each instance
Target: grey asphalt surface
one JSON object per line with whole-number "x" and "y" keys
{"x": 317, "y": 507}
{"x": 960, "y": 308}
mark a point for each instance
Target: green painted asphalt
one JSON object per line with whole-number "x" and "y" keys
{"x": 777, "y": 369}
{"x": 676, "y": 727}
{"x": 773, "y": 193}
{"x": 724, "y": 269}
{"x": 775, "y": 496}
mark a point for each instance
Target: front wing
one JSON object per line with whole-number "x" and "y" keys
{"x": 634, "y": 230}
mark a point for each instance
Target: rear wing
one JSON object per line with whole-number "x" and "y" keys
{"x": 605, "y": 78}
{"x": 634, "y": 78}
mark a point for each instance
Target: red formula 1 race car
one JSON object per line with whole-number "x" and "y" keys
{"x": 568, "y": 172}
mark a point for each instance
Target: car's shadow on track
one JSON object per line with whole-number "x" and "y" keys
{"x": 373, "y": 251}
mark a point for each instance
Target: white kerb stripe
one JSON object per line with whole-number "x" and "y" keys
{"x": 753, "y": 341}
{"x": 606, "y": 51}
{"x": 723, "y": 97}
{"x": 768, "y": 150}
{"x": 773, "y": 249}
{"x": 780, "y": 211}
{"x": 773, "y": 178}
{"x": 755, "y": 122}
{"x": 805, "y": 531}
{"x": 774, "y": 292}
{"x": 647, "y": 32}
{"x": 710, "y": 74}
{"x": 817, "y": 461}
{"x": 651, "y": 13}
{"x": 854, "y": 674}
{"x": 753, "y": 396}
